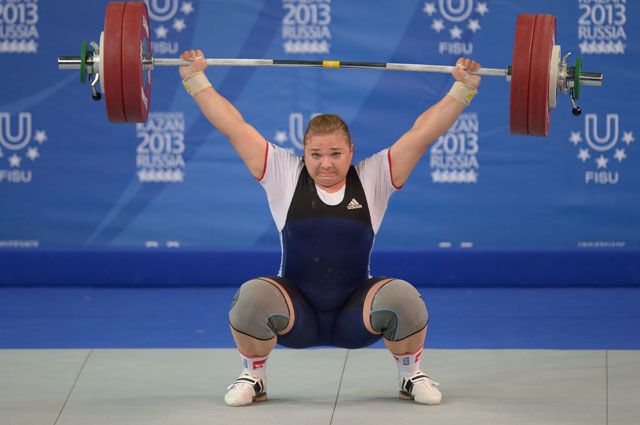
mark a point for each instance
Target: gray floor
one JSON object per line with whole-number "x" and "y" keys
{"x": 321, "y": 386}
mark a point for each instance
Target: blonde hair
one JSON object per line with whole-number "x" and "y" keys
{"x": 325, "y": 124}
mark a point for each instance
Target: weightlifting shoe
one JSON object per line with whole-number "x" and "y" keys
{"x": 420, "y": 388}
{"x": 245, "y": 390}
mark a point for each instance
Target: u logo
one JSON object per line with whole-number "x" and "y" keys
{"x": 456, "y": 13}
{"x": 162, "y": 10}
{"x": 592, "y": 133}
{"x": 296, "y": 129}
{"x": 17, "y": 141}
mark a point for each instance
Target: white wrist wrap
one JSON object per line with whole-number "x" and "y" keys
{"x": 196, "y": 82}
{"x": 462, "y": 93}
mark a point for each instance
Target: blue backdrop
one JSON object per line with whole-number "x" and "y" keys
{"x": 168, "y": 202}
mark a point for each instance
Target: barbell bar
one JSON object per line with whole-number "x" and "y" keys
{"x": 586, "y": 78}
{"x": 123, "y": 60}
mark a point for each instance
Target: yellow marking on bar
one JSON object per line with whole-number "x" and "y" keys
{"x": 331, "y": 64}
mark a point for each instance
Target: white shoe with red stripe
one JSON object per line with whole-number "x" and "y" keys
{"x": 420, "y": 388}
{"x": 245, "y": 390}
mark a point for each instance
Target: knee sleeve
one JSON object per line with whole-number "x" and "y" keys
{"x": 259, "y": 310}
{"x": 398, "y": 311}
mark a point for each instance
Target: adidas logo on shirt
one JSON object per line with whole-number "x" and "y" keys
{"x": 353, "y": 205}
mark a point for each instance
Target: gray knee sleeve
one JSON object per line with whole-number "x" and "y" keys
{"x": 398, "y": 311}
{"x": 259, "y": 310}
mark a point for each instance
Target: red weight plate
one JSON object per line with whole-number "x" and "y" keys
{"x": 544, "y": 37}
{"x": 112, "y": 78}
{"x": 521, "y": 61}
{"x": 136, "y": 82}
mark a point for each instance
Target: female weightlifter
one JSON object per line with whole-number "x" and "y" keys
{"x": 328, "y": 212}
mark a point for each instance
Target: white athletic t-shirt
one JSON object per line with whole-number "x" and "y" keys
{"x": 283, "y": 169}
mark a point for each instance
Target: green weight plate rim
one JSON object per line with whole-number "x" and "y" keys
{"x": 576, "y": 78}
{"x": 83, "y": 62}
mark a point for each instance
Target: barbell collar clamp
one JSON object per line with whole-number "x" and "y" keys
{"x": 95, "y": 94}
{"x": 575, "y": 110}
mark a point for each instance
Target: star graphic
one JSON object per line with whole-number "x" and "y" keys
{"x": 179, "y": 25}
{"x": 280, "y": 137}
{"x": 482, "y": 8}
{"x": 32, "y": 154}
{"x": 178, "y": 176}
{"x": 628, "y": 137}
{"x": 619, "y": 155}
{"x": 584, "y": 47}
{"x": 187, "y": 7}
{"x": 161, "y": 32}
{"x": 324, "y": 47}
{"x": 437, "y": 25}
{"x": 15, "y": 160}
{"x": 588, "y": 47}
{"x": 619, "y": 47}
{"x": 584, "y": 155}
{"x": 455, "y": 32}
{"x": 472, "y": 177}
{"x": 429, "y": 8}
{"x": 602, "y": 161}
{"x": 40, "y": 136}
{"x": 474, "y": 25}
{"x": 575, "y": 138}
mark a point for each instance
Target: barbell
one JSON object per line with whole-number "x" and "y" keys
{"x": 122, "y": 62}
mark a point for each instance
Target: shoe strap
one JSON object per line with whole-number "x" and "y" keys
{"x": 256, "y": 383}
{"x": 409, "y": 383}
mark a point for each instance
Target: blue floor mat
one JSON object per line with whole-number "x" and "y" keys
{"x": 465, "y": 318}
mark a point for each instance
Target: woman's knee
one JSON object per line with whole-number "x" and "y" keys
{"x": 259, "y": 309}
{"x": 398, "y": 311}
